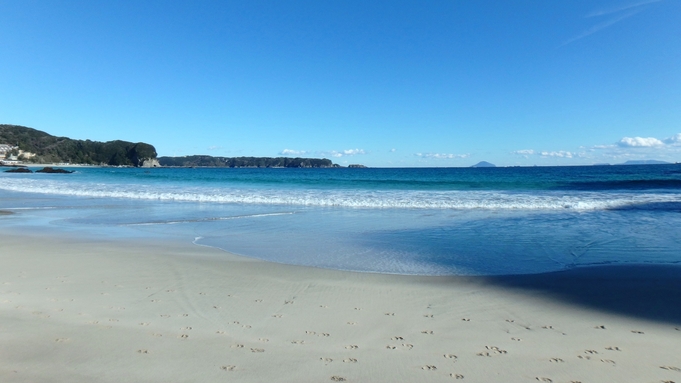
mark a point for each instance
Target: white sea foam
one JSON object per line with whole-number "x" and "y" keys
{"x": 353, "y": 198}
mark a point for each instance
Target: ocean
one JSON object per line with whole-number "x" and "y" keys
{"x": 425, "y": 221}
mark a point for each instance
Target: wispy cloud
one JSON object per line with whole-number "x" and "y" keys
{"x": 441, "y": 156}
{"x": 342, "y": 153}
{"x": 214, "y": 147}
{"x": 622, "y": 12}
{"x": 526, "y": 153}
{"x": 621, "y": 8}
{"x": 291, "y": 152}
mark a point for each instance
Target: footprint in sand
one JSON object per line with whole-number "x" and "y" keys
{"x": 144, "y": 323}
{"x": 547, "y": 327}
{"x": 389, "y": 314}
{"x": 390, "y": 347}
{"x": 142, "y": 351}
{"x": 510, "y": 320}
{"x": 408, "y": 346}
{"x": 298, "y": 342}
{"x": 583, "y": 357}
{"x": 216, "y": 307}
{"x": 428, "y": 332}
{"x": 466, "y": 319}
{"x": 338, "y": 378}
{"x": 257, "y": 350}
{"x": 183, "y": 336}
{"x": 609, "y": 361}
{"x": 637, "y": 332}
{"x": 61, "y": 339}
{"x": 185, "y": 315}
{"x": 357, "y": 308}
{"x": 220, "y": 332}
{"x": 492, "y": 350}
{"x": 612, "y": 348}
{"x": 157, "y": 335}
{"x": 352, "y": 323}
{"x": 456, "y": 376}
{"x": 556, "y": 360}
{"x": 228, "y": 368}
{"x": 186, "y": 328}
{"x": 277, "y": 316}
{"x": 350, "y": 360}
{"x": 352, "y": 347}
{"x": 263, "y": 340}
{"x": 601, "y": 327}
{"x": 237, "y": 346}
{"x": 310, "y": 332}
{"x": 429, "y": 367}
{"x": 397, "y": 338}
{"x": 542, "y": 379}
{"x": 591, "y": 352}
{"x": 450, "y": 356}
{"x": 428, "y": 316}
{"x": 258, "y": 300}
{"x": 517, "y": 339}
{"x": 288, "y": 302}
{"x": 326, "y": 360}
{"x": 671, "y": 368}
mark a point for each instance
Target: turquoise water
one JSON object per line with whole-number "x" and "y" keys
{"x": 482, "y": 221}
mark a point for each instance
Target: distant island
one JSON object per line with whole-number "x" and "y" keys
{"x": 246, "y": 162}
{"x": 28, "y": 145}
{"x": 645, "y": 162}
{"x": 484, "y": 164}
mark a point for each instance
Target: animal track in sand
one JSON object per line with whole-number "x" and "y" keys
{"x": 547, "y": 327}
{"x": 542, "y": 379}
{"x": 165, "y": 316}
{"x": 429, "y": 367}
{"x": 237, "y": 346}
{"x": 590, "y": 352}
{"x": 357, "y": 308}
{"x": 216, "y": 307}
{"x": 144, "y": 323}
{"x": 349, "y": 360}
{"x": 584, "y": 357}
{"x": 601, "y": 327}
{"x": 220, "y": 332}
{"x": 352, "y": 347}
{"x": 326, "y": 360}
{"x": 263, "y": 340}
{"x": 113, "y": 320}
{"x": 157, "y": 335}
{"x": 466, "y": 319}
{"x": 556, "y": 360}
{"x": 671, "y": 368}
{"x": 258, "y": 300}
{"x": 289, "y": 302}
{"x": 517, "y": 339}
{"x": 637, "y": 332}
{"x": 397, "y": 338}
{"x": 492, "y": 351}
{"x": 142, "y": 351}
{"x": 390, "y": 347}
{"x": 352, "y": 323}
{"x": 183, "y": 336}
{"x": 456, "y": 376}
{"x": 611, "y": 348}
{"x": 324, "y": 307}
{"x": 298, "y": 342}
{"x": 338, "y": 378}
{"x": 389, "y": 314}
{"x": 408, "y": 346}
{"x": 450, "y": 356}
{"x": 228, "y": 368}
{"x": 257, "y": 350}
{"x": 510, "y": 320}
{"x": 277, "y": 316}
{"x": 609, "y": 361}
{"x": 185, "y": 315}
{"x": 428, "y": 316}
{"x": 428, "y": 332}
{"x": 186, "y": 328}
{"x": 61, "y": 339}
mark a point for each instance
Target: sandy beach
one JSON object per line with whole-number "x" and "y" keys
{"x": 88, "y": 310}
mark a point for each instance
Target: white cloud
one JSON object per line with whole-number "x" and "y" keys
{"x": 639, "y": 142}
{"x": 291, "y": 152}
{"x": 441, "y": 156}
{"x": 393, "y": 150}
{"x": 621, "y": 8}
{"x": 342, "y": 153}
{"x": 674, "y": 140}
{"x": 524, "y": 152}
{"x": 214, "y": 147}
{"x": 559, "y": 154}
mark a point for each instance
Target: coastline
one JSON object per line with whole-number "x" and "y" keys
{"x": 86, "y": 309}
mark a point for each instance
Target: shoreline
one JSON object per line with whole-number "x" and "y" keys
{"x": 87, "y": 309}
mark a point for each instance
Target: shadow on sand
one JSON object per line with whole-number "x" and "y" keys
{"x": 650, "y": 292}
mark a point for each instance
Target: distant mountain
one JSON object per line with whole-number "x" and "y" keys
{"x": 31, "y": 145}
{"x": 484, "y": 164}
{"x": 644, "y": 162}
{"x": 246, "y": 162}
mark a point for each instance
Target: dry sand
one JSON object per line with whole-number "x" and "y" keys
{"x": 74, "y": 310}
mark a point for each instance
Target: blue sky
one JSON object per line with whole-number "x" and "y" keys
{"x": 390, "y": 83}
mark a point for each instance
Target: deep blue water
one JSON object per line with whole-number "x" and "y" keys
{"x": 413, "y": 221}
